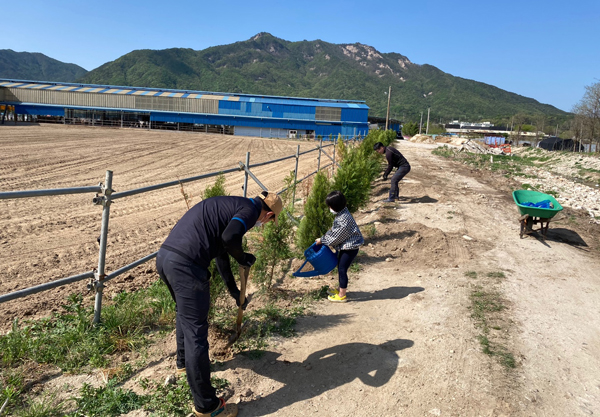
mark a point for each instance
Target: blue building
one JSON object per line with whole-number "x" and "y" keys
{"x": 153, "y": 108}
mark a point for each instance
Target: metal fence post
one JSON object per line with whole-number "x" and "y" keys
{"x": 98, "y": 284}
{"x": 246, "y": 174}
{"x": 334, "y": 146}
{"x": 295, "y": 178}
{"x": 319, "y": 160}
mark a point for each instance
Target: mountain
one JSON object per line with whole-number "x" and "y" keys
{"x": 268, "y": 65}
{"x": 36, "y": 66}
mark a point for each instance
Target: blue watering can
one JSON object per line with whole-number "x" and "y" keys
{"x": 321, "y": 258}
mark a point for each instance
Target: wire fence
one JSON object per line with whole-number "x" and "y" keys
{"x": 104, "y": 196}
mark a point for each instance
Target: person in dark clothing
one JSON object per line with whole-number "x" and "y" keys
{"x": 395, "y": 160}
{"x": 211, "y": 229}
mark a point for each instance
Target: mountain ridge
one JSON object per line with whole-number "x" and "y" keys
{"x": 265, "y": 64}
{"x": 37, "y": 66}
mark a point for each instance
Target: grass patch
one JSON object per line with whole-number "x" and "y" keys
{"x": 269, "y": 321}
{"x": 486, "y": 308}
{"x": 71, "y": 341}
{"x": 369, "y": 230}
{"x": 526, "y": 186}
{"x": 444, "y": 151}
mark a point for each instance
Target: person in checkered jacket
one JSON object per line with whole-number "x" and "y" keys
{"x": 345, "y": 237}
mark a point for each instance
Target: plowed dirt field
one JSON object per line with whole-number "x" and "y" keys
{"x": 46, "y": 238}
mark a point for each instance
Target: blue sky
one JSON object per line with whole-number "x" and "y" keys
{"x": 546, "y": 50}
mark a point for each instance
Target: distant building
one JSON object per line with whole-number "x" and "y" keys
{"x": 485, "y": 128}
{"x": 379, "y": 123}
{"x": 202, "y": 111}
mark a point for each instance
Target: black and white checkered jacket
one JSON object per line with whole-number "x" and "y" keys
{"x": 344, "y": 234}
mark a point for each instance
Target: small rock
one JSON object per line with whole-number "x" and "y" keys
{"x": 467, "y": 237}
{"x": 308, "y": 367}
{"x": 170, "y": 380}
{"x": 248, "y": 393}
{"x": 388, "y": 259}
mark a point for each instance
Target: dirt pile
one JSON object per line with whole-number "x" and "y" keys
{"x": 422, "y": 139}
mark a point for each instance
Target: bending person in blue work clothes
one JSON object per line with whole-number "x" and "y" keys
{"x": 211, "y": 229}
{"x": 395, "y": 160}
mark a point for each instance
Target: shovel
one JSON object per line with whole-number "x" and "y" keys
{"x": 244, "y": 271}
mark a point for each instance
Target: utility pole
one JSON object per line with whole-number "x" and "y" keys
{"x": 387, "y": 117}
{"x": 556, "y": 134}
{"x": 427, "y": 128}
{"x": 421, "y": 123}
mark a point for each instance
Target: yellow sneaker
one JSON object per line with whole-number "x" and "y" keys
{"x": 223, "y": 410}
{"x": 332, "y": 291}
{"x": 337, "y": 299}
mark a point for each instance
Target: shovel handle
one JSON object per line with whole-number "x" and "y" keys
{"x": 244, "y": 270}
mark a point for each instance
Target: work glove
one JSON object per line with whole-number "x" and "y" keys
{"x": 236, "y": 296}
{"x": 249, "y": 260}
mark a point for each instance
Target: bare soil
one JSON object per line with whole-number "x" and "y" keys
{"x": 406, "y": 342}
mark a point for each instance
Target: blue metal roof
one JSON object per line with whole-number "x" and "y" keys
{"x": 163, "y": 92}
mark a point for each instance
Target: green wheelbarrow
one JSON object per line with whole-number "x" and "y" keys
{"x": 535, "y": 207}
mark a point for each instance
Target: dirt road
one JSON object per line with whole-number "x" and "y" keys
{"x": 406, "y": 343}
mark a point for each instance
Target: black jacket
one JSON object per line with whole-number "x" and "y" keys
{"x": 394, "y": 158}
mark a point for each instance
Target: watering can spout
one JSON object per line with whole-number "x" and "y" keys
{"x": 321, "y": 258}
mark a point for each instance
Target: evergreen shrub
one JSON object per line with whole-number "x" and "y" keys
{"x": 317, "y": 218}
{"x": 274, "y": 244}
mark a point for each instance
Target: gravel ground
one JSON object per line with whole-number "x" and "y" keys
{"x": 567, "y": 175}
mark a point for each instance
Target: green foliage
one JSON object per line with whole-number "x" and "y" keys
{"x": 486, "y": 304}
{"x": 353, "y": 178}
{"x": 317, "y": 219}
{"x": 274, "y": 244}
{"x": 359, "y": 168}
{"x": 36, "y": 66}
{"x": 444, "y": 151}
{"x": 109, "y": 400}
{"x": 70, "y": 341}
{"x": 435, "y": 129}
{"x": 215, "y": 190}
{"x": 341, "y": 149}
{"x": 267, "y": 65}
{"x": 167, "y": 399}
{"x": 410, "y": 128}
{"x": 527, "y": 128}
{"x": 47, "y": 405}
{"x": 369, "y": 230}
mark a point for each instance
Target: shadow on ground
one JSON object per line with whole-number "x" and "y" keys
{"x": 322, "y": 371}
{"x": 392, "y": 293}
{"x": 559, "y": 235}
{"x": 415, "y": 200}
